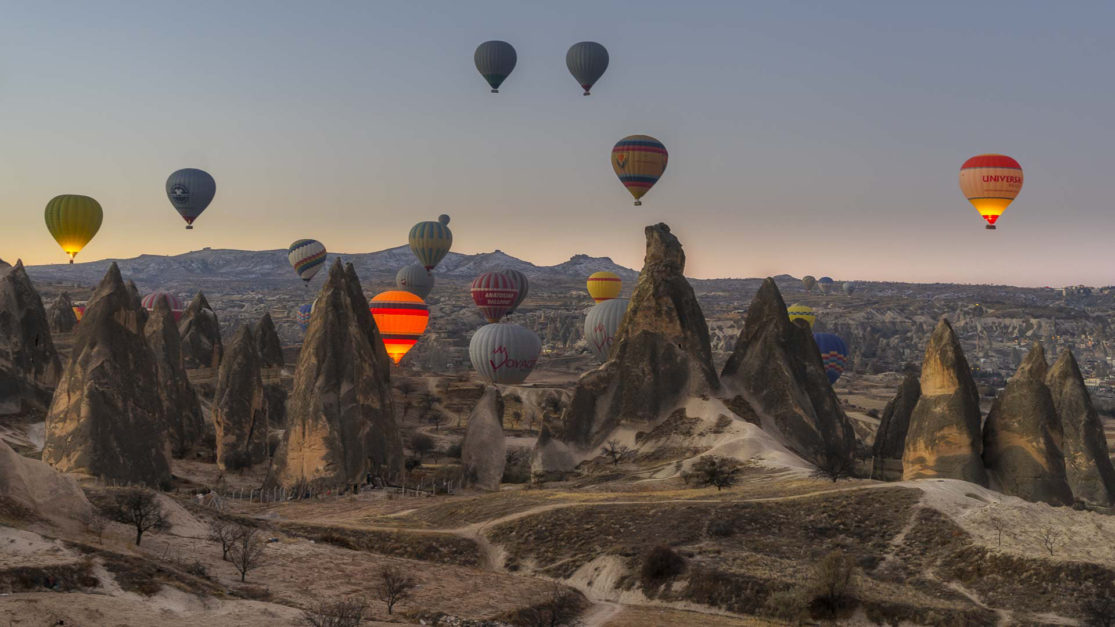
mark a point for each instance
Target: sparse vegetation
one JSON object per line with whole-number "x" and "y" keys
{"x": 225, "y": 533}
{"x": 832, "y": 589}
{"x": 1098, "y": 610}
{"x": 246, "y": 552}
{"x": 95, "y": 524}
{"x": 517, "y": 468}
{"x": 421, "y": 444}
{"x": 615, "y": 451}
{"x": 1050, "y": 539}
{"x": 394, "y": 586}
{"x": 834, "y": 467}
{"x": 561, "y": 606}
{"x": 138, "y": 507}
{"x": 721, "y": 472}
{"x": 343, "y": 613}
{"x": 660, "y": 565}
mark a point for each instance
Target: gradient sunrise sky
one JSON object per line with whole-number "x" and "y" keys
{"x": 805, "y": 137}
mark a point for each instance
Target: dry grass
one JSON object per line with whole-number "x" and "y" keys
{"x": 439, "y": 548}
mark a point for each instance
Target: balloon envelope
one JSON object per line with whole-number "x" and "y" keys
{"x": 586, "y": 61}
{"x": 190, "y": 191}
{"x": 431, "y": 241}
{"x": 172, "y": 301}
{"x": 834, "y": 354}
{"x": 306, "y": 256}
{"x": 639, "y": 161}
{"x": 303, "y": 315}
{"x": 808, "y": 282}
{"x": 495, "y": 60}
{"x": 415, "y": 279}
{"x": 73, "y": 220}
{"x": 494, "y": 293}
{"x": 825, "y": 284}
{"x": 601, "y": 324}
{"x": 990, "y": 183}
{"x": 401, "y": 318}
{"x": 604, "y": 285}
{"x": 849, "y": 288}
{"x": 519, "y": 280}
{"x": 79, "y": 311}
{"x": 798, "y": 311}
{"x": 504, "y": 353}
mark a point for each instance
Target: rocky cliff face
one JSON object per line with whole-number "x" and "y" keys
{"x": 551, "y": 459}
{"x": 341, "y": 415}
{"x": 36, "y": 487}
{"x": 268, "y": 345}
{"x": 890, "y": 439}
{"x": 661, "y": 355}
{"x": 26, "y": 347}
{"x": 1088, "y": 466}
{"x": 60, "y": 316}
{"x": 106, "y": 419}
{"x": 239, "y": 407}
{"x": 777, "y": 366}
{"x": 201, "y": 335}
{"x": 484, "y": 450}
{"x": 943, "y": 439}
{"x": 1022, "y": 437}
{"x": 185, "y": 425}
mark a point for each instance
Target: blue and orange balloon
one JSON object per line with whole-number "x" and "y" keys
{"x": 834, "y": 354}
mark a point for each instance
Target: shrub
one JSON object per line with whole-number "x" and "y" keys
{"x": 721, "y": 528}
{"x": 344, "y": 613}
{"x": 454, "y": 451}
{"x": 421, "y": 444}
{"x": 789, "y": 605}
{"x": 832, "y": 589}
{"x": 721, "y": 472}
{"x": 660, "y": 565}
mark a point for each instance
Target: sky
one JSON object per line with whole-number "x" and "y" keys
{"x": 815, "y": 138}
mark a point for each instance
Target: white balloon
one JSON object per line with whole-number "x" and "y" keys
{"x": 504, "y": 352}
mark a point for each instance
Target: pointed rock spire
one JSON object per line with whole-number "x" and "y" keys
{"x": 61, "y": 316}
{"x": 239, "y": 411}
{"x": 484, "y": 449}
{"x": 185, "y": 425}
{"x": 26, "y": 347}
{"x": 269, "y": 347}
{"x": 201, "y": 335}
{"x": 890, "y": 439}
{"x": 551, "y": 459}
{"x": 1088, "y": 465}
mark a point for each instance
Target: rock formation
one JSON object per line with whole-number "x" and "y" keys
{"x": 267, "y": 340}
{"x": 60, "y": 316}
{"x": 1087, "y": 460}
{"x": 185, "y": 425}
{"x": 341, "y": 418}
{"x": 36, "y": 488}
{"x": 777, "y": 366}
{"x": 551, "y": 459}
{"x": 943, "y": 439}
{"x": 106, "y": 419}
{"x": 661, "y": 353}
{"x": 239, "y": 407}
{"x": 484, "y": 450}
{"x": 271, "y": 361}
{"x": 134, "y": 292}
{"x": 26, "y": 347}
{"x": 890, "y": 439}
{"x": 1022, "y": 437}
{"x": 201, "y": 335}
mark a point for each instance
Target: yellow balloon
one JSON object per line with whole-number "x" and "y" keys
{"x": 73, "y": 220}
{"x": 801, "y": 312}
{"x": 604, "y": 286}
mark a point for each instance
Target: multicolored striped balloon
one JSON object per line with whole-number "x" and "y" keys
{"x": 306, "y": 256}
{"x": 504, "y": 353}
{"x": 797, "y": 311}
{"x": 73, "y": 220}
{"x": 639, "y": 161}
{"x": 494, "y": 293}
{"x": 834, "y": 354}
{"x": 601, "y": 324}
{"x": 604, "y": 286}
{"x": 79, "y": 311}
{"x": 172, "y": 301}
{"x": 990, "y": 183}
{"x": 431, "y": 241}
{"x": 303, "y": 315}
{"x": 401, "y": 317}
{"x": 521, "y": 283}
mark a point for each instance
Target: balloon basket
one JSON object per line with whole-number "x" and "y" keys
{"x": 638, "y": 203}
{"x": 990, "y": 227}
{"x": 495, "y": 91}
{"x": 189, "y": 227}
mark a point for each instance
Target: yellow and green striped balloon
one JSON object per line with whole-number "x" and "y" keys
{"x": 431, "y": 241}
{"x": 73, "y": 220}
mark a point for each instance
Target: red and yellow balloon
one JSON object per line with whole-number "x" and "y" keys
{"x": 990, "y": 182}
{"x": 401, "y": 318}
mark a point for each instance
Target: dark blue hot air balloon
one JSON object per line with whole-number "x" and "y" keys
{"x": 834, "y": 354}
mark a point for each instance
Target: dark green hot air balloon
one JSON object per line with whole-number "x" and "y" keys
{"x": 495, "y": 60}
{"x": 587, "y": 61}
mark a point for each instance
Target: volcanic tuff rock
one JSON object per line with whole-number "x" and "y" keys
{"x": 1022, "y": 437}
{"x": 185, "y": 425}
{"x": 60, "y": 316}
{"x": 661, "y": 352}
{"x": 1087, "y": 460}
{"x": 484, "y": 450}
{"x": 341, "y": 413}
{"x": 201, "y": 335}
{"x": 36, "y": 487}
{"x": 776, "y": 364}
{"x": 26, "y": 348}
{"x": 134, "y": 291}
{"x": 106, "y": 419}
{"x": 267, "y": 341}
{"x": 239, "y": 410}
{"x": 551, "y": 458}
{"x": 890, "y": 439}
{"x": 943, "y": 439}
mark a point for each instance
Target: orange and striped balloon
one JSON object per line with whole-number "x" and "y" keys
{"x": 990, "y": 182}
{"x": 604, "y": 286}
{"x": 639, "y": 161}
{"x": 401, "y": 317}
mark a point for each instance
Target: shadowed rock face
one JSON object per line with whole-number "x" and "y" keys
{"x": 106, "y": 419}
{"x": 60, "y": 316}
{"x": 661, "y": 353}
{"x": 890, "y": 439}
{"x": 551, "y": 459}
{"x": 185, "y": 425}
{"x": 484, "y": 450}
{"x": 40, "y": 489}
{"x": 1088, "y": 466}
{"x": 341, "y": 417}
{"x": 239, "y": 411}
{"x": 777, "y": 366}
{"x": 1022, "y": 437}
{"x": 269, "y": 346}
{"x": 943, "y": 439}
{"x": 26, "y": 348}
{"x": 201, "y": 335}
{"x": 134, "y": 292}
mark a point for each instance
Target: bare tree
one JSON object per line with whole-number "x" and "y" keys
{"x": 140, "y": 508}
{"x": 560, "y": 607}
{"x": 436, "y": 418}
{"x": 344, "y": 613}
{"x": 1050, "y": 538}
{"x": 421, "y": 444}
{"x": 721, "y": 472}
{"x": 834, "y": 466}
{"x": 246, "y": 551}
{"x": 394, "y": 586}
{"x": 96, "y": 525}
{"x": 614, "y": 451}
{"x": 999, "y": 525}
{"x": 225, "y": 533}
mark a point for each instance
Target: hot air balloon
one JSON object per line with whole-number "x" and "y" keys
{"x": 303, "y": 315}
{"x": 990, "y": 182}
{"x": 415, "y": 279}
{"x": 798, "y": 311}
{"x": 834, "y": 354}
{"x": 494, "y": 293}
{"x": 586, "y": 61}
{"x": 430, "y": 241}
{"x": 495, "y": 60}
{"x": 172, "y": 301}
{"x": 306, "y": 256}
{"x": 79, "y": 311}
{"x": 401, "y": 318}
{"x": 825, "y": 284}
{"x": 73, "y": 220}
{"x": 602, "y": 323}
{"x": 639, "y": 161}
{"x": 190, "y": 191}
{"x": 808, "y": 282}
{"x": 849, "y": 287}
{"x": 504, "y": 353}
{"x": 519, "y": 280}
{"x": 604, "y": 286}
